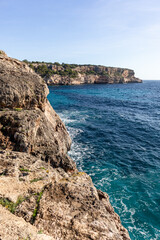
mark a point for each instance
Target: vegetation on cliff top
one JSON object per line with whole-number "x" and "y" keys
{"x": 48, "y": 69}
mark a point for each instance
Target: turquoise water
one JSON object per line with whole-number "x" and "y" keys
{"x": 115, "y": 131}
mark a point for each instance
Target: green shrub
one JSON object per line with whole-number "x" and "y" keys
{"x": 57, "y": 63}
{"x": 11, "y": 206}
{"x": 24, "y": 170}
{"x": 35, "y": 212}
{"x": 18, "y": 109}
{"x": 36, "y": 180}
{"x": 25, "y": 60}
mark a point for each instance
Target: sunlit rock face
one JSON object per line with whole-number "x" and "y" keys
{"x": 42, "y": 194}
{"x": 93, "y": 74}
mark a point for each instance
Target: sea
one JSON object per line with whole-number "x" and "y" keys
{"x": 115, "y": 131}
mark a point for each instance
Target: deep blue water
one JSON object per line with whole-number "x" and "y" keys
{"x": 116, "y": 139}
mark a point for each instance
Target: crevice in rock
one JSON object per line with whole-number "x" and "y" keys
{"x": 35, "y": 212}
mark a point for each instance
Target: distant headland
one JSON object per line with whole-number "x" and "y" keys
{"x": 74, "y": 74}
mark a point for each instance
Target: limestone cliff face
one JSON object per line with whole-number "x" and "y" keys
{"x": 17, "y": 93}
{"x": 42, "y": 194}
{"x": 70, "y": 74}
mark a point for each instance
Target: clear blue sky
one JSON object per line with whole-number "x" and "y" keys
{"x": 120, "y": 33}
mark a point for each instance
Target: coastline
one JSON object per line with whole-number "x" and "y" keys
{"x": 74, "y": 74}
{"x": 39, "y": 181}
{"x": 110, "y": 126}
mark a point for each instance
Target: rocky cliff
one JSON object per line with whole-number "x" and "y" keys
{"x": 68, "y": 74}
{"x": 42, "y": 194}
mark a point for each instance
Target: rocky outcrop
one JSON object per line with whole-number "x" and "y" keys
{"x": 42, "y": 194}
{"x": 70, "y": 74}
{"x": 29, "y": 123}
{"x": 20, "y": 86}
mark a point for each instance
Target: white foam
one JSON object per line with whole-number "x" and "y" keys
{"x": 74, "y": 132}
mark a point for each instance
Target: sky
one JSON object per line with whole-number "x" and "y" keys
{"x": 117, "y": 33}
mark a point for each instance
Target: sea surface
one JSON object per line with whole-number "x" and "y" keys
{"x": 115, "y": 131}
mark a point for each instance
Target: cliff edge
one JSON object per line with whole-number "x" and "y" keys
{"x": 42, "y": 194}
{"x": 73, "y": 74}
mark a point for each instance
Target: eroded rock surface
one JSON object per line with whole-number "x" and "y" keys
{"x": 42, "y": 194}
{"x": 76, "y": 210}
{"x": 20, "y": 86}
{"x": 14, "y": 228}
{"x": 37, "y": 132}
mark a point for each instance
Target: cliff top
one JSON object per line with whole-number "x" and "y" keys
{"x": 70, "y": 65}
